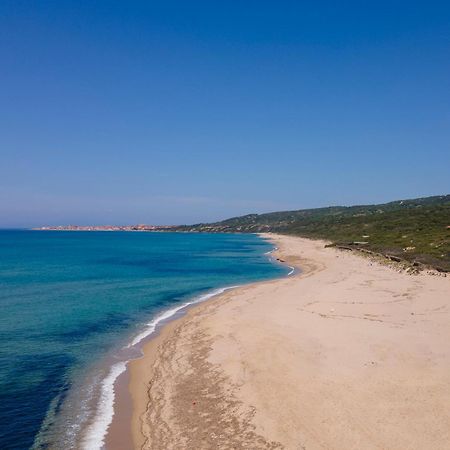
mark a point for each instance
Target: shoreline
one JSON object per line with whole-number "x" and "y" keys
{"x": 118, "y": 431}
{"x": 109, "y": 426}
{"x": 349, "y": 354}
{"x": 120, "y": 435}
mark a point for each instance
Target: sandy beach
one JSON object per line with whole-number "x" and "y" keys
{"x": 348, "y": 354}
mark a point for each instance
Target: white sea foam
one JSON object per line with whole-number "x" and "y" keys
{"x": 151, "y": 326}
{"x": 95, "y": 434}
{"x": 274, "y": 250}
{"x": 94, "y": 438}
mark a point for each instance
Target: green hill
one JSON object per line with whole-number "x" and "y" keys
{"x": 416, "y": 230}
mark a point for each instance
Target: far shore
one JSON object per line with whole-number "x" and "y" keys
{"x": 348, "y": 354}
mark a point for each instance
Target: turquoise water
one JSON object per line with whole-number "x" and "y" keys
{"x": 71, "y": 301}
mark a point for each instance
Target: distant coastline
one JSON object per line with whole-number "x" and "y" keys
{"x": 414, "y": 232}
{"x": 139, "y": 227}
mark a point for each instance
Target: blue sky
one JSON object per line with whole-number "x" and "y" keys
{"x": 180, "y": 112}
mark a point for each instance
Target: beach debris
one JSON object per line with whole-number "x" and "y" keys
{"x": 394, "y": 258}
{"x": 344, "y": 247}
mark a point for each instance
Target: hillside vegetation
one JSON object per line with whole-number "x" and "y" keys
{"x": 416, "y": 230}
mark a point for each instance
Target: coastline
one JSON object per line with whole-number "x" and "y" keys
{"x": 132, "y": 389}
{"x": 124, "y": 404}
{"x": 353, "y": 355}
{"x": 94, "y": 403}
{"x": 110, "y": 425}
{"x": 118, "y": 433}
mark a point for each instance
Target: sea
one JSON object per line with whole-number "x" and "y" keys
{"x": 74, "y": 307}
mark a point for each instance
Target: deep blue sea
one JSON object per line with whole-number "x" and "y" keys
{"x": 73, "y": 302}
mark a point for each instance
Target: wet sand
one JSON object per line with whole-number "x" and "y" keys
{"x": 349, "y": 354}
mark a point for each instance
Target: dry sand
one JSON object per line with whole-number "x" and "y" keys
{"x": 349, "y": 354}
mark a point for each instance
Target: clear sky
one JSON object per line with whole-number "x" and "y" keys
{"x": 186, "y": 111}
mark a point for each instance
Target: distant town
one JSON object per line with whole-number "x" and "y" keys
{"x": 140, "y": 227}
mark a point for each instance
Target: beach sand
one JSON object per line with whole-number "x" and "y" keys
{"x": 349, "y": 354}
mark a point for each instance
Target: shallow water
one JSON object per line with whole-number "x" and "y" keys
{"x": 72, "y": 302}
